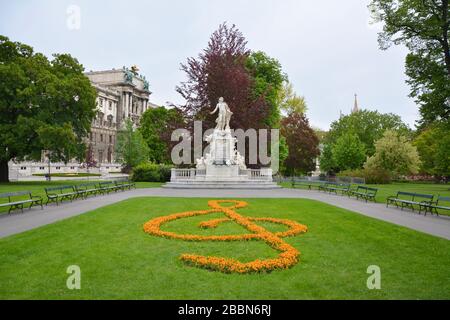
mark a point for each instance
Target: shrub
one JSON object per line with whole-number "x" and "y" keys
{"x": 150, "y": 172}
{"x": 377, "y": 176}
{"x": 371, "y": 175}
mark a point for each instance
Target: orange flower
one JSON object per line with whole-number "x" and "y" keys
{"x": 286, "y": 259}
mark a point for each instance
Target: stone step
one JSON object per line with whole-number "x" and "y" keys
{"x": 222, "y": 185}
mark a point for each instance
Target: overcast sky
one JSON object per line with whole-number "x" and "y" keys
{"x": 327, "y": 48}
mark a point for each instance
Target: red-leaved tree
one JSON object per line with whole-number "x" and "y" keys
{"x": 302, "y": 142}
{"x": 220, "y": 72}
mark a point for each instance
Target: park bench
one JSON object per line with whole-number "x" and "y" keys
{"x": 107, "y": 187}
{"x": 438, "y": 204}
{"x": 409, "y": 200}
{"x": 335, "y": 187}
{"x": 363, "y": 192}
{"x": 86, "y": 189}
{"x": 16, "y": 200}
{"x": 125, "y": 184}
{"x": 306, "y": 183}
{"x": 59, "y": 194}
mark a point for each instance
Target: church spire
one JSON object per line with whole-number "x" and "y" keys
{"x": 355, "y": 107}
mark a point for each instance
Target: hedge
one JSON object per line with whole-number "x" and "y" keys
{"x": 150, "y": 172}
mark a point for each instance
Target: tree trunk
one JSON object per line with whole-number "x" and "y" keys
{"x": 4, "y": 172}
{"x": 445, "y": 44}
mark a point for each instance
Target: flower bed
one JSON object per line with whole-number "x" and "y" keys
{"x": 288, "y": 257}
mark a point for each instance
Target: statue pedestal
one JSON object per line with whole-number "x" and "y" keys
{"x": 222, "y": 168}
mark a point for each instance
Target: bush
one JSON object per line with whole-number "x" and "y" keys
{"x": 371, "y": 175}
{"x": 150, "y": 172}
{"x": 377, "y": 176}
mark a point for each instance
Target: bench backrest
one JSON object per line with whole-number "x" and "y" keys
{"x": 10, "y": 195}
{"x": 85, "y": 185}
{"x": 405, "y": 194}
{"x": 372, "y": 190}
{"x": 443, "y": 199}
{"x": 424, "y": 196}
{"x": 61, "y": 189}
{"x": 105, "y": 183}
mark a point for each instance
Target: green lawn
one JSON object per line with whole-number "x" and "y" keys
{"x": 119, "y": 261}
{"x": 386, "y": 190}
{"x": 37, "y": 187}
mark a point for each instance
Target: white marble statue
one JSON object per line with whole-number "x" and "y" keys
{"x": 223, "y": 120}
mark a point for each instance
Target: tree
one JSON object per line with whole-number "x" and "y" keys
{"x": 302, "y": 144}
{"x": 268, "y": 81}
{"x": 289, "y": 101}
{"x": 395, "y": 154}
{"x": 131, "y": 148}
{"x": 368, "y": 125}
{"x": 43, "y": 105}
{"x": 90, "y": 160}
{"x": 348, "y": 152}
{"x": 156, "y": 127}
{"x": 433, "y": 145}
{"x": 327, "y": 163}
{"x": 423, "y": 26}
{"x": 227, "y": 69}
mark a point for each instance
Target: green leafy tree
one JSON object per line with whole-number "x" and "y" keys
{"x": 368, "y": 125}
{"x": 268, "y": 81}
{"x": 44, "y": 105}
{"x": 327, "y": 163}
{"x": 131, "y": 148}
{"x": 395, "y": 154}
{"x": 423, "y": 26}
{"x": 289, "y": 101}
{"x": 348, "y": 152}
{"x": 156, "y": 127}
{"x": 433, "y": 145}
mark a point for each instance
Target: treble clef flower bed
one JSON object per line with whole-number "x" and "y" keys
{"x": 288, "y": 256}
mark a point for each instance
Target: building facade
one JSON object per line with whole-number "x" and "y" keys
{"x": 121, "y": 94}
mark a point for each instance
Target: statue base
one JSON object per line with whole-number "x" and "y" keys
{"x": 222, "y": 168}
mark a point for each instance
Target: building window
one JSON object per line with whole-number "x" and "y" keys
{"x": 23, "y": 168}
{"x": 72, "y": 168}
{"x": 101, "y": 137}
{"x": 101, "y": 102}
{"x": 110, "y": 139}
{"x": 100, "y": 156}
{"x": 41, "y": 168}
{"x": 58, "y": 168}
{"x": 110, "y": 105}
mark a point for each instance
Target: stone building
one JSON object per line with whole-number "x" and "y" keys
{"x": 121, "y": 94}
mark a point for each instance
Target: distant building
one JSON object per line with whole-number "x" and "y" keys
{"x": 121, "y": 94}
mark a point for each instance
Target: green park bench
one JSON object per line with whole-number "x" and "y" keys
{"x": 363, "y": 192}
{"x": 335, "y": 187}
{"x": 306, "y": 183}
{"x": 125, "y": 184}
{"x": 442, "y": 203}
{"x": 59, "y": 194}
{"x": 409, "y": 200}
{"x": 107, "y": 187}
{"x": 86, "y": 189}
{"x": 16, "y": 200}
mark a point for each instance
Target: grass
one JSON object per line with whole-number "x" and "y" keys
{"x": 37, "y": 188}
{"x": 119, "y": 261}
{"x": 386, "y": 190}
